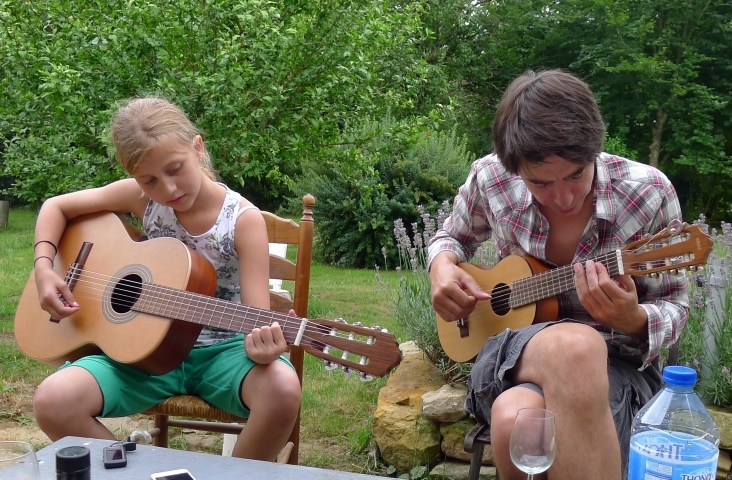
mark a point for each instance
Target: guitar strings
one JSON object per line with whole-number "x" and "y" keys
{"x": 131, "y": 295}
{"x": 95, "y": 285}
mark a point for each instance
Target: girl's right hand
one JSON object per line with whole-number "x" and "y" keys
{"x": 54, "y": 294}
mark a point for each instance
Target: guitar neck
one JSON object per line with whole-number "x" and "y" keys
{"x": 554, "y": 282}
{"x": 210, "y": 311}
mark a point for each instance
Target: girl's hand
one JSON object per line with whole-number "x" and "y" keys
{"x": 264, "y": 345}
{"x": 54, "y": 294}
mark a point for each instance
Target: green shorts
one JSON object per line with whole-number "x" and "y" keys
{"x": 213, "y": 372}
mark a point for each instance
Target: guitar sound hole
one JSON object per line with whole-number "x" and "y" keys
{"x": 126, "y": 293}
{"x": 499, "y": 299}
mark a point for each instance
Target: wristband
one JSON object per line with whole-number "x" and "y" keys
{"x": 42, "y": 256}
{"x": 55, "y": 250}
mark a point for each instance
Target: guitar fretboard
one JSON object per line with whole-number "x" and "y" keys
{"x": 553, "y": 282}
{"x": 210, "y": 311}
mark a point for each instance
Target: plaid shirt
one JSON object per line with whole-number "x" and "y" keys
{"x": 630, "y": 200}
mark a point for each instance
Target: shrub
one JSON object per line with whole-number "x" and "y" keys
{"x": 413, "y": 305}
{"x": 706, "y": 344}
{"x": 389, "y": 168}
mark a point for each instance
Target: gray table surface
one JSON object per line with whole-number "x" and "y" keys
{"x": 148, "y": 459}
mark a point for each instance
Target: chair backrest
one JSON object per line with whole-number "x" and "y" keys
{"x": 287, "y": 232}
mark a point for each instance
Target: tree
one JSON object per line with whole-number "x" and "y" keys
{"x": 269, "y": 83}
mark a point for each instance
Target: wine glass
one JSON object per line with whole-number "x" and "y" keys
{"x": 533, "y": 447}
{"x": 18, "y": 461}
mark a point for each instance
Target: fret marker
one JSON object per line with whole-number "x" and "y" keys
{"x": 619, "y": 254}
{"x": 300, "y": 332}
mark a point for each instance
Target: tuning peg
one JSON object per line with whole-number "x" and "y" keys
{"x": 328, "y": 364}
{"x": 365, "y": 377}
{"x": 696, "y": 268}
{"x": 347, "y": 372}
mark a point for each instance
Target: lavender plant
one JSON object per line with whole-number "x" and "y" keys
{"x": 413, "y": 297}
{"x": 706, "y": 344}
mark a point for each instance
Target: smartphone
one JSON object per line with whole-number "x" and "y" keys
{"x": 181, "y": 474}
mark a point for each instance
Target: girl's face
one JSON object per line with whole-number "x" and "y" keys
{"x": 170, "y": 174}
{"x": 559, "y": 184}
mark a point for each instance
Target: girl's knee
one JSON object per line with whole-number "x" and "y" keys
{"x": 277, "y": 389}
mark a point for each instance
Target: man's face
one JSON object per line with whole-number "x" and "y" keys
{"x": 559, "y": 184}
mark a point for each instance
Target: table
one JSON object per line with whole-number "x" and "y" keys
{"x": 148, "y": 459}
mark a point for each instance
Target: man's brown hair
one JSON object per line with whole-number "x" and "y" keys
{"x": 547, "y": 113}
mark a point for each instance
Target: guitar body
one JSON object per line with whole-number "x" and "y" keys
{"x": 493, "y": 316}
{"x": 150, "y": 343}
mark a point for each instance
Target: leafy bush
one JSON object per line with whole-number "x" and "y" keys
{"x": 270, "y": 83}
{"x": 389, "y": 168}
{"x": 413, "y": 299}
{"x": 706, "y": 344}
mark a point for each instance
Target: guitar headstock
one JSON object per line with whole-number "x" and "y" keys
{"x": 677, "y": 247}
{"x": 371, "y": 351}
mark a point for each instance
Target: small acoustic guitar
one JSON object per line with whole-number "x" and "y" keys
{"x": 524, "y": 290}
{"x": 143, "y": 303}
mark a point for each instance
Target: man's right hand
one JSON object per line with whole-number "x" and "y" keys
{"x": 454, "y": 291}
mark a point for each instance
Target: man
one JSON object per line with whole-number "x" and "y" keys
{"x": 549, "y": 191}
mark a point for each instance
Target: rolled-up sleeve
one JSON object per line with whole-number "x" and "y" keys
{"x": 665, "y": 302}
{"x": 467, "y": 226}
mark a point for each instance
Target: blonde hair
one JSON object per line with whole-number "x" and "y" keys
{"x": 145, "y": 123}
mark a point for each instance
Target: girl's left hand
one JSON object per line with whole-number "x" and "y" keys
{"x": 265, "y": 344}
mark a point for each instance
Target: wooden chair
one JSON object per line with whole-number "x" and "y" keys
{"x": 480, "y": 435}
{"x": 279, "y": 230}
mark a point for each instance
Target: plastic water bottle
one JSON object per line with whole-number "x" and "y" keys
{"x": 674, "y": 437}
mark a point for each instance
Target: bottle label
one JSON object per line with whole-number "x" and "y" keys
{"x": 662, "y": 455}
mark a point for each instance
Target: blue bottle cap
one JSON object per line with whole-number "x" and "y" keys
{"x": 679, "y": 376}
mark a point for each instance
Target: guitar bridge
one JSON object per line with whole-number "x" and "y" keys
{"x": 462, "y": 324}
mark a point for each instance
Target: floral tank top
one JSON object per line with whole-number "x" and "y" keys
{"x": 216, "y": 245}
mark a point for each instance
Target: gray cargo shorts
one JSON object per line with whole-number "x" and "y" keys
{"x": 491, "y": 376}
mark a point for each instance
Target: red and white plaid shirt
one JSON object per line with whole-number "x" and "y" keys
{"x": 630, "y": 200}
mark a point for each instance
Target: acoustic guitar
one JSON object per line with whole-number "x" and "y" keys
{"x": 143, "y": 303}
{"x": 523, "y": 289}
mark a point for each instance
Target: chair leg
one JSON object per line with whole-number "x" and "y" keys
{"x": 161, "y": 423}
{"x": 476, "y": 461}
{"x": 295, "y": 441}
{"x": 284, "y": 455}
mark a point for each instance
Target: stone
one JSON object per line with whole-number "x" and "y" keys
{"x": 723, "y": 417}
{"x": 723, "y": 465}
{"x": 459, "y": 471}
{"x": 445, "y": 405}
{"x": 453, "y": 441}
{"x": 404, "y": 436}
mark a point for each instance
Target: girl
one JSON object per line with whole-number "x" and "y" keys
{"x": 174, "y": 192}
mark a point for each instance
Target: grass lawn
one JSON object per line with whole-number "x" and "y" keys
{"x": 336, "y": 412}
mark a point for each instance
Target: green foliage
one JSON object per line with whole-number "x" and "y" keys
{"x": 384, "y": 171}
{"x": 706, "y": 344}
{"x": 270, "y": 83}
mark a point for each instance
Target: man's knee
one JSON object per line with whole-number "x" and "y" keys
{"x": 575, "y": 348}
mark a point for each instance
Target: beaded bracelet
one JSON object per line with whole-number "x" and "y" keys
{"x": 55, "y": 250}
{"x": 42, "y": 256}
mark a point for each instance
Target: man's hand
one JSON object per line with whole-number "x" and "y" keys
{"x": 265, "y": 344}
{"x": 614, "y": 303}
{"x": 454, "y": 291}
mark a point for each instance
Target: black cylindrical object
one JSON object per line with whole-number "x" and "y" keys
{"x": 73, "y": 463}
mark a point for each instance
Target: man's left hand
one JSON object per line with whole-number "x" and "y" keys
{"x": 612, "y": 302}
